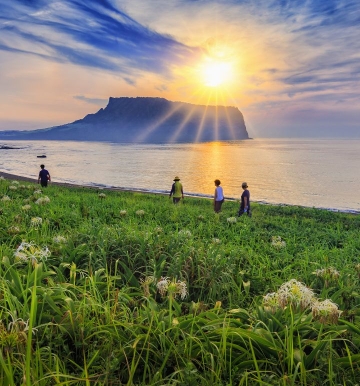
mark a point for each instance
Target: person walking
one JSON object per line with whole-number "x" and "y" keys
{"x": 245, "y": 201}
{"x": 44, "y": 176}
{"x": 176, "y": 191}
{"x": 218, "y": 196}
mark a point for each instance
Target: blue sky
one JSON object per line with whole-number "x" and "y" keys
{"x": 293, "y": 65}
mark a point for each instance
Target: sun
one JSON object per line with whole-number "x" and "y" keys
{"x": 215, "y": 73}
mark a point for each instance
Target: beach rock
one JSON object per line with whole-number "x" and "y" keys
{"x": 147, "y": 120}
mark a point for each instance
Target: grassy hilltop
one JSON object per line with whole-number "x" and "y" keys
{"x": 121, "y": 288}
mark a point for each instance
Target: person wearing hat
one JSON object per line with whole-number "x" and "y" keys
{"x": 176, "y": 191}
{"x": 245, "y": 201}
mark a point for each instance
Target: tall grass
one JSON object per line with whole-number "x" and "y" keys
{"x": 92, "y": 311}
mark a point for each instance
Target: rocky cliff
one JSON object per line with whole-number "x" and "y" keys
{"x": 147, "y": 120}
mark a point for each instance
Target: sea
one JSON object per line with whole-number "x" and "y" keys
{"x": 320, "y": 173}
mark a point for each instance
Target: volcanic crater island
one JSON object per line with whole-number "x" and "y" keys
{"x": 146, "y": 120}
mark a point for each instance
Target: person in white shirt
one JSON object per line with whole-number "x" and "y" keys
{"x": 218, "y": 196}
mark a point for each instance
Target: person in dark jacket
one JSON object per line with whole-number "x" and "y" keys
{"x": 44, "y": 176}
{"x": 245, "y": 201}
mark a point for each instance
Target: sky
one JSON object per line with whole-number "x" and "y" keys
{"x": 292, "y": 67}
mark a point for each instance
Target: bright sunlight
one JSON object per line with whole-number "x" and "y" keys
{"x": 216, "y": 73}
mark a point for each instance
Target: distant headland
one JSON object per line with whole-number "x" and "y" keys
{"x": 146, "y": 120}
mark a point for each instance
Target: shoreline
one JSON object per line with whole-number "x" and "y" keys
{"x": 10, "y": 176}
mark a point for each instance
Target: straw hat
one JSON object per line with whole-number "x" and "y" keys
{"x": 176, "y": 179}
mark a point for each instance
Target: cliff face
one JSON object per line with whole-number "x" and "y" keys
{"x": 147, "y": 120}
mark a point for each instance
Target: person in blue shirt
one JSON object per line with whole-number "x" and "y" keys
{"x": 44, "y": 176}
{"x": 245, "y": 201}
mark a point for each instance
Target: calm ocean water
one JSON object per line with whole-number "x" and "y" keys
{"x": 307, "y": 172}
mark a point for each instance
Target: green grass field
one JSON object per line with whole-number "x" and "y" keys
{"x": 121, "y": 288}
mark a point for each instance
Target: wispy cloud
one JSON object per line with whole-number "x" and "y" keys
{"x": 130, "y": 81}
{"x": 95, "y": 101}
{"x": 291, "y": 54}
{"x": 94, "y": 34}
{"x": 162, "y": 88}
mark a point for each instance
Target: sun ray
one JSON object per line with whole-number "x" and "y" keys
{"x": 181, "y": 126}
{"x": 201, "y": 125}
{"x": 231, "y": 127}
{"x": 151, "y": 128}
{"x": 216, "y": 118}
{"x": 183, "y": 123}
